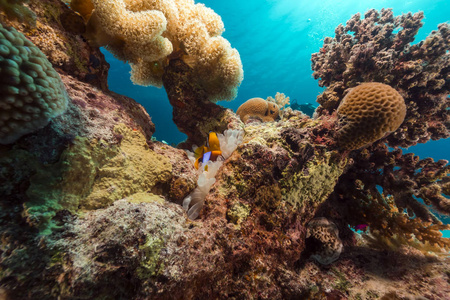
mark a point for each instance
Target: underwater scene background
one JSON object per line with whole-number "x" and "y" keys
{"x": 273, "y": 204}
{"x": 275, "y": 39}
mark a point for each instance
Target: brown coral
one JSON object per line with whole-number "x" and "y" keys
{"x": 369, "y": 112}
{"x": 258, "y": 108}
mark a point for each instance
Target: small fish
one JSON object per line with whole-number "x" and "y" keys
{"x": 210, "y": 151}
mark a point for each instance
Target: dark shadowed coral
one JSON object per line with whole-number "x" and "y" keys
{"x": 193, "y": 114}
{"x": 322, "y": 240}
{"x": 14, "y": 9}
{"x": 385, "y": 190}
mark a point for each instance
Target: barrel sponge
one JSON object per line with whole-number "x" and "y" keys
{"x": 31, "y": 92}
{"x": 367, "y": 113}
{"x": 150, "y": 33}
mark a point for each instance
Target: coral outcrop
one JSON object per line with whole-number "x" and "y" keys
{"x": 381, "y": 185}
{"x": 370, "y": 49}
{"x": 367, "y": 113}
{"x": 32, "y": 91}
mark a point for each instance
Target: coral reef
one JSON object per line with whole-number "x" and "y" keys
{"x": 367, "y": 113}
{"x": 149, "y": 34}
{"x": 258, "y": 108}
{"x": 90, "y": 201}
{"x": 33, "y": 92}
{"x": 380, "y": 185}
{"x": 370, "y": 50}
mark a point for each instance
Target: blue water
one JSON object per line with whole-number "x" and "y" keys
{"x": 275, "y": 39}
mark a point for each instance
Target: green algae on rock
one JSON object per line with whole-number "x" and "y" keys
{"x": 93, "y": 174}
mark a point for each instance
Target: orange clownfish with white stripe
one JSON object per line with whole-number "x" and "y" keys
{"x": 210, "y": 151}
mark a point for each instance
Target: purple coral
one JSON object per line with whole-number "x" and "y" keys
{"x": 369, "y": 50}
{"x": 387, "y": 189}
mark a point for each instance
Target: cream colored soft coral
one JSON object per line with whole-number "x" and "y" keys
{"x": 148, "y": 33}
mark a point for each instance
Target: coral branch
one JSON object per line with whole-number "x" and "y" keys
{"x": 369, "y": 50}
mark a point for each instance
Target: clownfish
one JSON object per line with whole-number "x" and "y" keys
{"x": 210, "y": 151}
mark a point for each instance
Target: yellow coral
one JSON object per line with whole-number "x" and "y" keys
{"x": 258, "y": 108}
{"x": 369, "y": 112}
{"x": 148, "y": 33}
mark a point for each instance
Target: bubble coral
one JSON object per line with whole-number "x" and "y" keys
{"x": 258, "y": 108}
{"x": 32, "y": 91}
{"x": 148, "y": 34}
{"x": 369, "y": 112}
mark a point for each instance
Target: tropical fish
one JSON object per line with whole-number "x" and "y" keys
{"x": 210, "y": 151}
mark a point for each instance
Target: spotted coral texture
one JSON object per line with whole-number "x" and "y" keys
{"x": 31, "y": 91}
{"x": 148, "y": 34}
{"x": 325, "y": 236}
{"x": 369, "y": 112}
{"x": 258, "y": 108}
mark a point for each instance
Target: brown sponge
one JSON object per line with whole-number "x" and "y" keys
{"x": 367, "y": 113}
